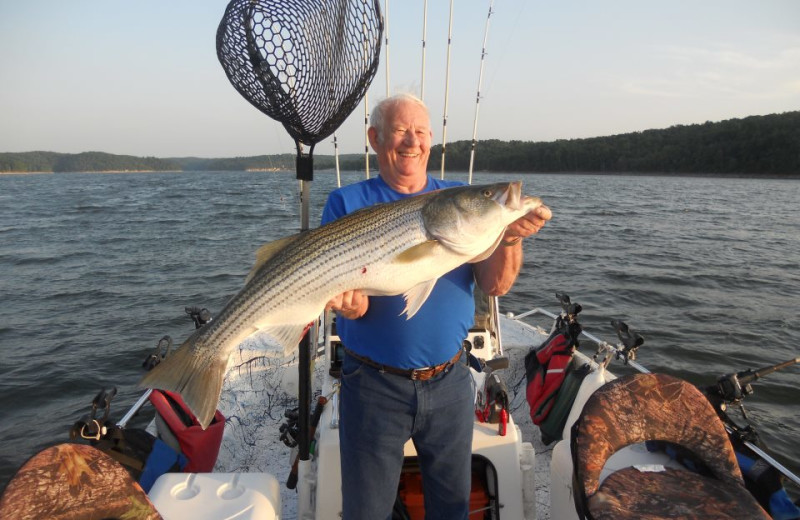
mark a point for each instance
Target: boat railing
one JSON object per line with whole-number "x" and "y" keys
{"x": 619, "y": 351}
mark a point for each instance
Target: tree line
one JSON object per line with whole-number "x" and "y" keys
{"x": 756, "y": 145}
{"x": 52, "y": 162}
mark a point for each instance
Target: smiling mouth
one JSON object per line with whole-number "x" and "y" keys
{"x": 408, "y": 155}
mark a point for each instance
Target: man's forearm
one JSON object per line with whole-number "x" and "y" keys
{"x": 497, "y": 274}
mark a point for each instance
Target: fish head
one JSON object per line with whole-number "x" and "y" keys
{"x": 470, "y": 219}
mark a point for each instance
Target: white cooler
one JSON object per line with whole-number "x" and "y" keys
{"x": 244, "y": 496}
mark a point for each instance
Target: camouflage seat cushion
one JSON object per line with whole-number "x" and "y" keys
{"x": 655, "y": 407}
{"x": 630, "y": 493}
{"x": 74, "y": 482}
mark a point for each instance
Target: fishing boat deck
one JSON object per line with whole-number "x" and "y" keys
{"x": 262, "y": 384}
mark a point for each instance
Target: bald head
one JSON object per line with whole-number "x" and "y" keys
{"x": 377, "y": 119}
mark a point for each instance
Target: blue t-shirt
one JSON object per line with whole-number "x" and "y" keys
{"x": 383, "y": 334}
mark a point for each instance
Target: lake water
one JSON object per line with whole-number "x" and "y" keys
{"x": 94, "y": 269}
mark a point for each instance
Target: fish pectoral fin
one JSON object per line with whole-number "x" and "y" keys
{"x": 267, "y": 251}
{"x": 417, "y": 252}
{"x": 287, "y": 335}
{"x": 416, "y": 296}
{"x": 486, "y": 254}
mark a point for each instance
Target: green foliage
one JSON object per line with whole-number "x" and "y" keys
{"x": 28, "y": 161}
{"x": 106, "y": 162}
{"x": 757, "y": 145}
{"x": 81, "y": 162}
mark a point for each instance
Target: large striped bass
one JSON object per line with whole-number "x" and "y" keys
{"x": 401, "y": 247}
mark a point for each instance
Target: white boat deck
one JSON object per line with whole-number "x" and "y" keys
{"x": 261, "y": 384}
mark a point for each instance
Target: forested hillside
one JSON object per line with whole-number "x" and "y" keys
{"x": 756, "y": 145}
{"x": 81, "y": 162}
{"x": 767, "y": 145}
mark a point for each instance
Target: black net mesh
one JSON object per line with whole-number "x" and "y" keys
{"x": 305, "y": 63}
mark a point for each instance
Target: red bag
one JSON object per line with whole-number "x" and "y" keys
{"x": 546, "y": 368}
{"x": 200, "y": 447}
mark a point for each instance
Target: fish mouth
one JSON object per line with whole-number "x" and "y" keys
{"x": 511, "y": 198}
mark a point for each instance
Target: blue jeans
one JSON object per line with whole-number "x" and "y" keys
{"x": 379, "y": 413}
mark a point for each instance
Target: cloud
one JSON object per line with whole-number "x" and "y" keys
{"x": 698, "y": 72}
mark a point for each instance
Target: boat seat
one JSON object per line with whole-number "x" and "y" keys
{"x": 71, "y": 482}
{"x": 649, "y": 407}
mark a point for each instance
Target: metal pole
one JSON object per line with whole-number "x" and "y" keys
{"x": 366, "y": 135}
{"x": 424, "y": 37}
{"x": 386, "y": 40}
{"x": 336, "y": 158}
{"x": 478, "y": 96}
{"x": 305, "y": 174}
{"x": 447, "y": 86}
{"x": 135, "y": 408}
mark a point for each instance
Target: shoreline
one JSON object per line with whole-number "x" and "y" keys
{"x": 92, "y": 171}
{"x": 785, "y": 176}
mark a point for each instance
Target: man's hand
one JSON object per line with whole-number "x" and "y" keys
{"x": 497, "y": 274}
{"x": 349, "y": 304}
{"x": 528, "y": 224}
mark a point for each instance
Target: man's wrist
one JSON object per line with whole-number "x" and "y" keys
{"x": 514, "y": 241}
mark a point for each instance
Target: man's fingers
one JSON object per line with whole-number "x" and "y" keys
{"x": 543, "y": 212}
{"x": 348, "y": 300}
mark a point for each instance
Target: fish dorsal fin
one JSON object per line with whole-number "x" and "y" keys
{"x": 416, "y": 296}
{"x": 417, "y": 252}
{"x": 267, "y": 251}
{"x": 486, "y": 254}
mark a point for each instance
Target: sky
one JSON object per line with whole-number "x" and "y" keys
{"x": 142, "y": 78}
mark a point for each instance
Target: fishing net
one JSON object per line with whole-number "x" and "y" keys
{"x": 304, "y": 63}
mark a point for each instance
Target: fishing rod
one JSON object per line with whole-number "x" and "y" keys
{"x": 447, "y": 85}
{"x": 386, "y": 42}
{"x": 729, "y": 389}
{"x": 424, "y": 43}
{"x": 478, "y": 96}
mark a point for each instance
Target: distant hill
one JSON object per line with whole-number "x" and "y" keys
{"x": 753, "y": 146}
{"x": 81, "y": 162}
{"x": 756, "y": 145}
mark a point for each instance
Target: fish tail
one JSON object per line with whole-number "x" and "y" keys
{"x": 198, "y": 382}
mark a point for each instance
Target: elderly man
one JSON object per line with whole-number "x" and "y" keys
{"x": 381, "y": 406}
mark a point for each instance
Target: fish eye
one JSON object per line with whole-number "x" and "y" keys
{"x": 487, "y": 193}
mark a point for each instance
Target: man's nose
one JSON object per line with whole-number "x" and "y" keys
{"x": 410, "y": 138}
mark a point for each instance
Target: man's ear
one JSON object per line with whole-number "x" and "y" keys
{"x": 372, "y": 134}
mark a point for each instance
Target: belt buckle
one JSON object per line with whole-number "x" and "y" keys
{"x": 420, "y": 374}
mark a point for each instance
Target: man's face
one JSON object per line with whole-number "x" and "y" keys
{"x": 406, "y": 145}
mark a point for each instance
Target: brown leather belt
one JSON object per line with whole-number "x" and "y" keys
{"x": 415, "y": 374}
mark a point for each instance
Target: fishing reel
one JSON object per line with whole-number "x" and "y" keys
{"x": 731, "y": 389}
{"x": 200, "y": 315}
{"x": 90, "y": 427}
{"x": 567, "y": 321}
{"x": 630, "y": 339}
{"x": 290, "y": 430}
{"x": 159, "y": 354}
{"x": 570, "y": 310}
